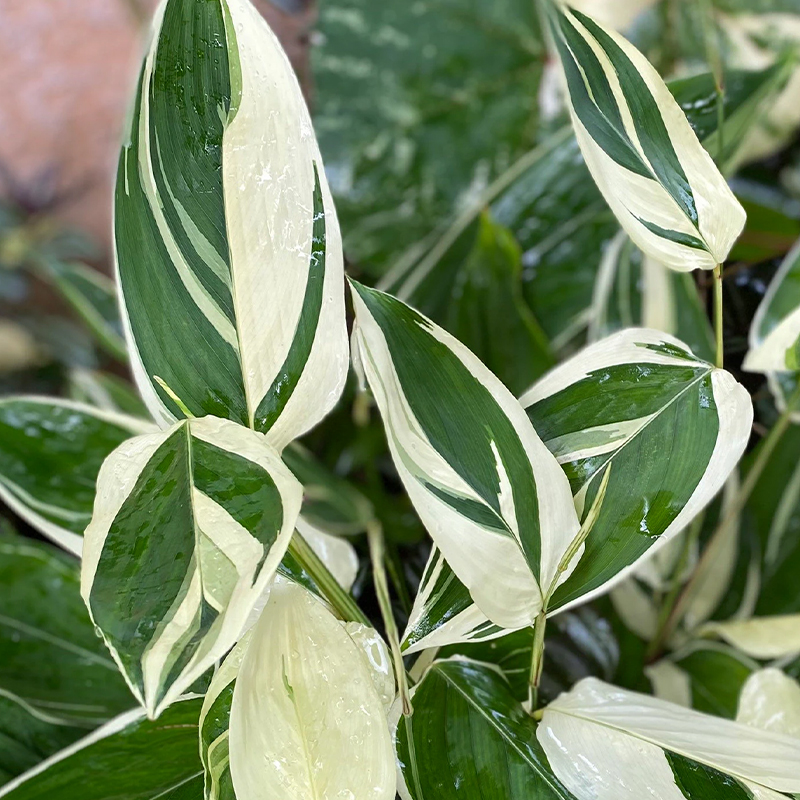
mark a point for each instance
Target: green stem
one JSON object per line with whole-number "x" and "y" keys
{"x": 537, "y": 661}
{"x": 342, "y": 602}
{"x": 718, "y": 330}
{"x": 377, "y": 552}
{"x": 731, "y": 516}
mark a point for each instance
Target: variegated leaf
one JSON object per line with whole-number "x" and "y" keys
{"x": 770, "y": 700}
{"x": 189, "y": 526}
{"x": 489, "y": 492}
{"x": 50, "y": 454}
{"x": 228, "y": 250}
{"x": 606, "y": 743}
{"x": 775, "y": 330}
{"x": 667, "y": 428}
{"x": 297, "y": 709}
{"x": 655, "y": 175}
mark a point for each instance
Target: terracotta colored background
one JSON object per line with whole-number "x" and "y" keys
{"x": 65, "y": 82}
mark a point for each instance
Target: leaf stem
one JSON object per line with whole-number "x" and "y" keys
{"x": 377, "y": 552}
{"x": 718, "y": 328}
{"x": 537, "y": 661}
{"x": 345, "y": 606}
{"x": 736, "y": 507}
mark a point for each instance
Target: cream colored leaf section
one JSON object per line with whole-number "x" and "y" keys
{"x": 634, "y": 197}
{"x": 759, "y": 637}
{"x": 670, "y": 682}
{"x": 269, "y": 156}
{"x": 594, "y": 711}
{"x": 376, "y": 655}
{"x": 338, "y": 555}
{"x": 306, "y": 720}
{"x": 770, "y": 700}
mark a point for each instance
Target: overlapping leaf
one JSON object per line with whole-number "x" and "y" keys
{"x": 661, "y": 184}
{"x": 189, "y": 526}
{"x": 229, "y": 256}
{"x": 50, "y": 453}
{"x": 129, "y": 757}
{"x": 298, "y": 692}
{"x": 606, "y": 743}
{"x": 489, "y": 492}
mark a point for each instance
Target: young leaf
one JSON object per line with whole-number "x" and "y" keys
{"x": 229, "y": 256}
{"x": 189, "y": 526}
{"x": 305, "y": 717}
{"x": 130, "y": 757}
{"x": 491, "y": 495}
{"x": 775, "y": 330}
{"x": 606, "y": 743}
{"x": 644, "y": 156}
{"x": 50, "y": 453}
{"x": 469, "y": 737}
{"x": 760, "y": 637}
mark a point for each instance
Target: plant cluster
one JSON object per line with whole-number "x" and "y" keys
{"x": 608, "y": 607}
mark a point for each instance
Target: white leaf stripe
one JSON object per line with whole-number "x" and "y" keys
{"x": 641, "y": 150}
{"x": 193, "y": 554}
{"x": 225, "y": 229}
{"x": 470, "y": 461}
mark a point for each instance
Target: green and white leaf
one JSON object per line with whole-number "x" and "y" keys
{"x": 606, "y": 743}
{"x": 492, "y": 497}
{"x": 338, "y": 555}
{"x": 189, "y": 527}
{"x": 669, "y": 427}
{"x": 130, "y": 757}
{"x": 469, "y": 737}
{"x": 50, "y": 453}
{"x": 647, "y": 161}
{"x": 759, "y": 637}
{"x": 227, "y": 243}
{"x": 633, "y": 290}
{"x": 94, "y": 298}
{"x": 775, "y": 331}
{"x": 295, "y": 712}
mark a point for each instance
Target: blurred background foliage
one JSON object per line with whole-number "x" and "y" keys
{"x": 459, "y": 186}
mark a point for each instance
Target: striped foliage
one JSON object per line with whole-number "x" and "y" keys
{"x": 661, "y": 428}
{"x": 189, "y": 526}
{"x": 488, "y": 491}
{"x": 775, "y": 330}
{"x": 644, "y": 156}
{"x": 305, "y": 691}
{"x": 229, "y": 256}
{"x": 607, "y": 743}
{"x": 50, "y": 453}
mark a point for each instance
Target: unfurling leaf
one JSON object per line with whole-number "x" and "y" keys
{"x": 50, "y": 453}
{"x": 666, "y": 427}
{"x": 607, "y": 743}
{"x": 295, "y": 710}
{"x": 229, "y": 256}
{"x": 775, "y": 330}
{"x": 490, "y": 494}
{"x": 655, "y": 175}
{"x": 189, "y": 526}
